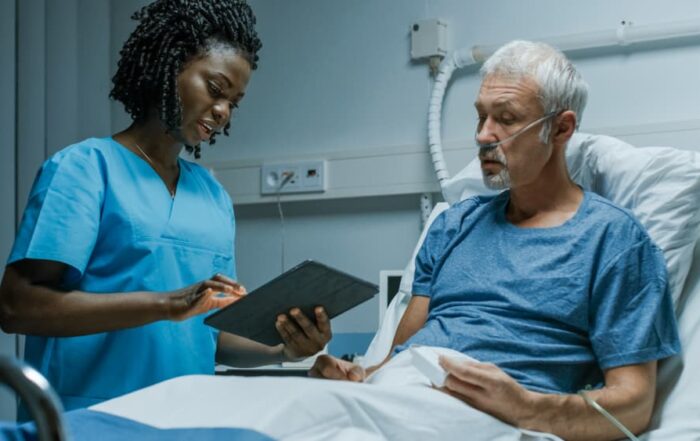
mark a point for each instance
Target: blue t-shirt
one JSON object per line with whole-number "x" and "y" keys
{"x": 552, "y": 307}
{"x": 102, "y": 210}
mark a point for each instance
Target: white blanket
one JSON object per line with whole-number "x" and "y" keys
{"x": 396, "y": 403}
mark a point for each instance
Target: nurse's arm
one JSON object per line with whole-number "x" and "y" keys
{"x": 302, "y": 338}
{"x": 237, "y": 351}
{"x": 32, "y": 303}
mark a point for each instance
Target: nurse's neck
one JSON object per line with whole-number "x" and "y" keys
{"x": 151, "y": 138}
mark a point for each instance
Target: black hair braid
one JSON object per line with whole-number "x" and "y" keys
{"x": 169, "y": 34}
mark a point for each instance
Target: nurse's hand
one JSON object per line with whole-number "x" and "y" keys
{"x": 301, "y": 337}
{"x": 217, "y": 292}
{"x": 333, "y": 368}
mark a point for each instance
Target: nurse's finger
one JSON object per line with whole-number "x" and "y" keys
{"x": 234, "y": 289}
{"x": 222, "y": 287}
{"x": 322, "y": 322}
{"x": 288, "y": 331}
{"x": 222, "y": 302}
{"x": 305, "y": 324}
{"x": 229, "y": 281}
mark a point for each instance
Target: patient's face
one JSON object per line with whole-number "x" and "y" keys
{"x": 506, "y": 105}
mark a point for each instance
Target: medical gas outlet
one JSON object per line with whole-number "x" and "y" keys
{"x": 429, "y": 39}
{"x": 293, "y": 177}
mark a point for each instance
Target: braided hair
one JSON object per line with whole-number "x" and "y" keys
{"x": 169, "y": 34}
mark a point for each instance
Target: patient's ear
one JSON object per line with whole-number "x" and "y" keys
{"x": 563, "y": 127}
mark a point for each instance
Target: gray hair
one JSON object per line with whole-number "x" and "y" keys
{"x": 560, "y": 85}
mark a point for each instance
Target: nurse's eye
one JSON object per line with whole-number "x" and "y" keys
{"x": 214, "y": 90}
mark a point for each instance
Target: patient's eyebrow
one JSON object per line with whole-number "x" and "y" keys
{"x": 501, "y": 104}
{"x": 508, "y": 104}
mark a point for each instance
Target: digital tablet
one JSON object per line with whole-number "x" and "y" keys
{"x": 305, "y": 286}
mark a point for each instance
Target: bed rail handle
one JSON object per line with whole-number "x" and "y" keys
{"x": 40, "y": 399}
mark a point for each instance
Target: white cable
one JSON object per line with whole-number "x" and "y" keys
{"x": 615, "y": 422}
{"x": 284, "y": 182}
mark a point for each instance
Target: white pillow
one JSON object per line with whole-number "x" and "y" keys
{"x": 660, "y": 185}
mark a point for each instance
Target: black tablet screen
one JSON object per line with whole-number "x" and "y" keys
{"x": 305, "y": 286}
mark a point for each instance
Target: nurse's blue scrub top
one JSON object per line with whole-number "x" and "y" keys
{"x": 102, "y": 210}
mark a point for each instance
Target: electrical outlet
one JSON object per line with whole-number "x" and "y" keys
{"x": 306, "y": 177}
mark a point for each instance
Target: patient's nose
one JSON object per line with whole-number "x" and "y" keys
{"x": 486, "y": 132}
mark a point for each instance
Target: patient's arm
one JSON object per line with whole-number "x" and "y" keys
{"x": 628, "y": 395}
{"x": 413, "y": 319}
{"x": 333, "y": 368}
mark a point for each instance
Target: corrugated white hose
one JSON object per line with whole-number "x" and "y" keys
{"x": 455, "y": 60}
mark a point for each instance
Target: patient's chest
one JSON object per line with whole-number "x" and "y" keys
{"x": 541, "y": 275}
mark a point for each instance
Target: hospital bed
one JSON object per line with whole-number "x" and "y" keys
{"x": 660, "y": 185}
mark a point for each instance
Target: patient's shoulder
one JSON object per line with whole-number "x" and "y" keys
{"x": 471, "y": 204}
{"x": 617, "y": 228}
{"x": 454, "y": 218}
{"x": 608, "y": 213}
{"x": 470, "y": 207}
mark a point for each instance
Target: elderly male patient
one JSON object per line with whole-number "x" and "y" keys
{"x": 552, "y": 287}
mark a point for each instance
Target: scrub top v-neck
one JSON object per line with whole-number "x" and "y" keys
{"x": 105, "y": 212}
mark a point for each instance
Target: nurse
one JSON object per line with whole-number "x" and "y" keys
{"x": 124, "y": 245}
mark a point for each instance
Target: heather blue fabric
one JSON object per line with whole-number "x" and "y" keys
{"x": 553, "y": 307}
{"x": 89, "y": 425}
{"x": 102, "y": 210}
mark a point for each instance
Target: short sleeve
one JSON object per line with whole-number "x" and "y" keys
{"x": 427, "y": 257}
{"x": 631, "y": 313}
{"x": 62, "y": 217}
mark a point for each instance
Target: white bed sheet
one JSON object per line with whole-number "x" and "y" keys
{"x": 396, "y": 404}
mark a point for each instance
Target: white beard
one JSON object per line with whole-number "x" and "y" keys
{"x": 501, "y": 180}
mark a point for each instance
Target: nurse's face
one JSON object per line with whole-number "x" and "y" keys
{"x": 210, "y": 87}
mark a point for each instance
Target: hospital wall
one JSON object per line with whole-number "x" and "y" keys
{"x": 7, "y": 169}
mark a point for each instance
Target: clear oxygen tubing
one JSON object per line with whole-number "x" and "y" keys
{"x": 608, "y": 416}
{"x": 626, "y": 34}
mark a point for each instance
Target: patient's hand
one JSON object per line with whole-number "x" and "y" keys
{"x": 488, "y": 388}
{"x": 301, "y": 337}
{"x": 336, "y": 369}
